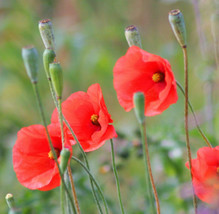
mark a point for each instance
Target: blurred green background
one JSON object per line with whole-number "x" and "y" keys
{"x": 89, "y": 39}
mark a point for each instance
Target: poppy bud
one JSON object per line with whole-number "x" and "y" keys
{"x": 48, "y": 57}
{"x": 65, "y": 155}
{"x": 11, "y": 204}
{"x": 178, "y": 26}
{"x": 55, "y": 71}
{"x": 139, "y": 103}
{"x": 132, "y": 36}
{"x": 30, "y": 58}
{"x": 46, "y": 32}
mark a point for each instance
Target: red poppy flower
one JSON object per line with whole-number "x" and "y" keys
{"x": 88, "y": 116}
{"x": 141, "y": 71}
{"x": 33, "y": 161}
{"x": 205, "y": 172}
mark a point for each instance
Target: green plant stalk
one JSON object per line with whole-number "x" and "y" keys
{"x": 193, "y": 113}
{"x": 185, "y": 55}
{"x": 94, "y": 181}
{"x": 36, "y": 91}
{"x": 116, "y": 177}
{"x": 148, "y": 169}
{"x": 62, "y": 196}
{"x": 81, "y": 149}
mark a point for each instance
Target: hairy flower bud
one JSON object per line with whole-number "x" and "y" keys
{"x": 30, "y": 58}
{"x": 48, "y": 57}
{"x": 139, "y": 103}
{"x": 132, "y": 36}
{"x": 11, "y": 204}
{"x": 57, "y": 78}
{"x": 178, "y": 26}
{"x": 65, "y": 155}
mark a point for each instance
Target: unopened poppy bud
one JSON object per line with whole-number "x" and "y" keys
{"x": 46, "y": 32}
{"x": 139, "y": 103}
{"x": 48, "y": 57}
{"x": 30, "y": 58}
{"x": 178, "y": 26}
{"x": 65, "y": 155}
{"x": 11, "y": 204}
{"x": 132, "y": 36}
{"x": 55, "y": 71}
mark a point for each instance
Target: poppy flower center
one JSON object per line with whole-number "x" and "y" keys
{"x": 158, "y": 77}
{"x": 50, "y": 155}
{"x": 94, "y": 119}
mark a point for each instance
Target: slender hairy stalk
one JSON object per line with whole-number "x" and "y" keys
{"x": 186, "y": 121}
{"x": 116, "y": 177}
{"x": 148, "y": 164}
{"x": 81, "y": 149}
{"x": 62, "y": 196}
{"x": 36, "y": 91}
{"x": 193, "y": 113}
{"x": 73, "y": 190}
{"x": 61, "y": 121}
{"x": 94, "y": 181}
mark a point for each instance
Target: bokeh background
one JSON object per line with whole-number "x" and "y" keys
{"x": 89, "y": 39}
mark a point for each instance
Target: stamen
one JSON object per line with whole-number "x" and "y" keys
{"x": 50, "y": 154}
{"x": 158, "y": 77}
{"x": 94, "y": 119}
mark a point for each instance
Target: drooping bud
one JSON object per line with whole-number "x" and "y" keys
{"x": 139, "y": 103}
{"x": 178, "y": 26}
{"x": 11, "y": 204}
{"x": 65, "y": 155}
{"x": 132, "y": 36}
{"x": 46, "y": 32}
{"x": 48, "y": 57}
{"x": 55, "y": 71}
{"x": 30, "y": 58}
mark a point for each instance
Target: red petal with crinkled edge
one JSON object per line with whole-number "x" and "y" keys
{"x": 33, "y": 167}
{"x": 133, "y": 73}
{"x": 205, "y": 174}
{"x": 78, "y": 109}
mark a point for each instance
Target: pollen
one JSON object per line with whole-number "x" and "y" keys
{"x": 94, "y": 119}
{"x": 50, "y": 154}
{"x": 158, "y": 77}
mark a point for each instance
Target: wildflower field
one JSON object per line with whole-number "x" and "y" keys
{"x": 109, "y": 107}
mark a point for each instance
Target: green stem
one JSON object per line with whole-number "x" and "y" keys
{"x": 80, "y": 147}
{"x": 148, "y": 170}
{"x": 36, "y": 91}
{"x": 61, "y": 121}
{"x": 116, "y": 177}
{"x": 185, "y": 55}
{"x": 62, "y": 196}
{"x": 94, "y": 181}
{"x": 193, "y": 113}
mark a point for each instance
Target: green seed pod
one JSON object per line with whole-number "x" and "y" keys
{"x": 30, "y": 58}
{"x": 139, "y": 103}
{"x": 46, "y": 32}
{"x": 178, "y": 26}
{"x": 65, "y": 155}
{"x": 48, "y": 57}
{"x": 132, "y": 36}
{"x": 55, "y": 71}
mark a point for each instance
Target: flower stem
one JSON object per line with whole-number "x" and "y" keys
{"x": 62, "y": 196}
{"x": 73, "y": 190}
{"x": 196, "y": 122}
{"x": 185, "y": 55}
{"x": 80, "y": 147}
{"x": 36, "y": 91}
{"x": 116, "y": 177}
{"x": 94, "y": 181}
{"x": 61, "y": 121}
{"x": 148, "y": 166}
